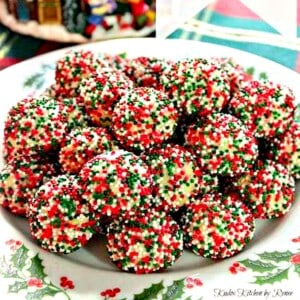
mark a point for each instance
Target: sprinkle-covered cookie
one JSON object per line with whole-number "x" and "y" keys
{"x": 117, "y": 183}
{"x": 285, "y": 149}
{"x": 235, "y": 72}
{"x": 101, "y": 91}
{"x": 145, "y": 243}
{"x": 81, "y": 145}
{"x": 19, "y": 180}
{"x": 222, "y": 144}
{"x": 268, "y": 190}
{"x": 266, "y": 108}
{"x": 60, "y": 219}
{"x": 216, "y": 227}
{"x": 74, "y": 66}
{"x": 144, "y": 118}
{"x": 115, "y": 61}
{"x": 146, "y": 71}
{"x": 74, "y": 112}
{"x": 198, "y": 86}
{"x": 176, "y": 176}
{"x": 34, "y": 126}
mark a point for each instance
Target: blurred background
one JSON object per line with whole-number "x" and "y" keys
{"x": 32, "y": 27}
{"x": 264, "y": 27}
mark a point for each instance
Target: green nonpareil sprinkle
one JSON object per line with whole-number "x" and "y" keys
{"x": 132, "y": 179}
{"x": 171, "y": 167}
{"x": 56, "y": 222}
{"x": 68, "y": 204}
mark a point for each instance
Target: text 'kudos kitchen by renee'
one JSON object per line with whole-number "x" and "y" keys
{"x": 253, "y": 293}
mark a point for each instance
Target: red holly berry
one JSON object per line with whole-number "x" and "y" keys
{"x": 116, "y": 290}
{"x": 191, "y": 282}
{"x": 189, "y": 279}
{"x": 236, "y": 267}
{"x": 198, "y": 282}
{"x": 66, "y": 283}
{"x": 110, "y": 293}
{"x": 295, "y": 259}
{"x": 14, "y": 244}
{"x": 103, "y": 293}
{"x": 242, "y": 269}
{"x": 35, "y": 282}
{"x": 232, "y": 270}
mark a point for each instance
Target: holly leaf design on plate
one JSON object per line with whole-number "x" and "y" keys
{"x": 250, "y": 71}
{"x": 37, "y": 80}
{"x": 17, "y": 286}
{"x": 151, "y": 292}
{"x": 23, "y": 268}
{"x": 123, "y": 55}
{"x": 7, "y": 270}
{"x": 272, "y": 278}
{"x": 258, "y": 265}
{"x": 3, "y": 266}
{"x": 174, "y": 291}
{"x": 297, "y": 269}
{"x": 18, "y": 259}
{"x": 276, "y": 256}
{"x": 36, "y": 268}
{"x": 263, "y": 76}
{"x": 40, "y": 293}
{"x": 34, "y": 80}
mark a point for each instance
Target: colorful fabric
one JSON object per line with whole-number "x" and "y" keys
{"x": 232, "y": 23}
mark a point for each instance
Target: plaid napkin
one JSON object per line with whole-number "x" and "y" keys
{"x": 232, "y": 24}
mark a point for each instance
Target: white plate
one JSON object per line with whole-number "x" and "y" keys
{"x": 271, "y": 261}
